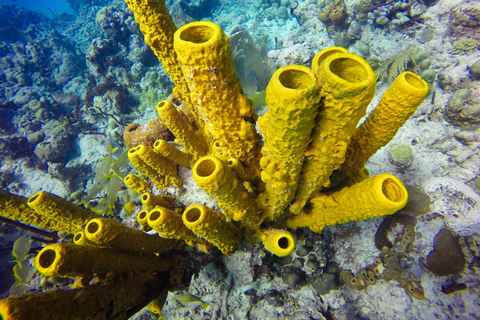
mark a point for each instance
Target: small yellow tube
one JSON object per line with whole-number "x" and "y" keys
{"x": 279, "y": 242}
{"x": 213, "y": 175}
{"x": 374, "y": 197}
{"x": 244, "y": 173}
{"x": 137, "y": 184}
{"x": 149, "y": 201}
{"x": 143, "y": 167}
{"x": 160, "y": 165}
{"x": 82, "y": 240}
{"x": 169, "y": 224}
{"x": 110, "y": 233}
{"x": 212, "y": 226}
{"x": 398, "y": 103}
{"x": 73, "y": 261}
{"x": 168, "y": 151}
{"x": 142, "y": 219}
{"x": 73, "y": 217}
{"x": 193, "y": 142}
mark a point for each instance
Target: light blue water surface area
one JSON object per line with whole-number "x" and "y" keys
{"x": 49, "y": 8}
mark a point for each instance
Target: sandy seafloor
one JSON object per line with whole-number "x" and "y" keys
{"x": 445, "y": 155}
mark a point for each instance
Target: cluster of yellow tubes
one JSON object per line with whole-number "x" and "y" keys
{"x": 309, "y": 132}
{"x": 311, "y": 148}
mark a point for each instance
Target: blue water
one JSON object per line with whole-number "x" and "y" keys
{"x": 49, "y": 7}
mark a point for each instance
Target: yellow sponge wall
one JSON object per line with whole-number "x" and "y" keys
{"x": 398, "y": 103}
{"x": 293, "y": 100}
{"x": 213, "y": 175}
{"x": 203, "y": 52}
{"x": 158, "y": 28}
{"x": 347, "y": 85}
{"x": 73, "y": 261}
{"x": 374, "y": 197}
{"x": 72, "y": 218}
{"x": 212, "y": 226}
{"x": 110, "y": 233}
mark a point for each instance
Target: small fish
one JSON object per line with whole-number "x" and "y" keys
{"x": 12, "y": 34}
{"x": 184, "y": 298}
{"x": 21, "y": 247}
{"x": 259, "y": 99}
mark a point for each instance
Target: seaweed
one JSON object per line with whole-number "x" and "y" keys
{"x": 391, "y": 68}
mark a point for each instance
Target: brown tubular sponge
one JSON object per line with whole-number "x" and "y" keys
{"x": 74, "y": 261}
{"x": 73, "y": 218}
{"x": 91, "y": 302}
{"x": 109, "y": 233}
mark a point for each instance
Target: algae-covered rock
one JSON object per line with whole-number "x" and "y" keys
{"x": 447, "y": 257}
{"x": 463, "y": 108}
{"x": 429, "y": 75}
{"x": 135, "y": 134}
{"x": 475, "y": 70}
{"x": 401, "y": 155}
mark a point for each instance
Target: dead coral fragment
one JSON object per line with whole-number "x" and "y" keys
{"x": 335, "y": 14}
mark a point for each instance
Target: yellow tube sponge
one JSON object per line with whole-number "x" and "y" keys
{"x": 168, "y": 151}
{"x": 91, "y": 302}
{"x": 154, "y": 166}
{"x": 158, "y": 29}
{"x": 213, "y": 175}
{"x": 212, "y": 226}
{"x": 149, "y": 201}
{"x": 142, "y": 219}
{"x": 15, "y": 208}
{"x": 279, "y": 242}
{"x": 169, "y": 224}
{"x": 347, "y": 85}
{"x": 110, "y": 233}
{"x": 203, "y": 52}
{"x": 244, "y": 173}
{"x": 325, "y": 53}
{"x": 176, "y": 122}
{"x": 74, "y": 261}
{"x": 82, "y": 240}
{"x": 136, "y": 183}
{"x": 293, "y": 100}
{"x": 374, "y": 197}
{"x": 73, "y": 217}
{"x": 398, "y": 103}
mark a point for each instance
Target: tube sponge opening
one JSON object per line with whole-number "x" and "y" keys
{"x": 197, "y": 33}
{"x": 279, "y": 242}
{"x": 296, "y": 79}
{"x": 349, "y": 69}
{"x": 206, "y": 167}
{"x": 46, "y": 258}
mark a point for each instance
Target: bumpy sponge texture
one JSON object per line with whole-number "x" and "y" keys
{"x": 398, "y": 103}
{"x": 293, "y": 100}
{"x": 374, "y": 197}
{"x": 213, "y": 175}
{"x": 347, "y": 85}
{"x": 204, "y": 55}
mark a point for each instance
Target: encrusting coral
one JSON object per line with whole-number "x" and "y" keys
{"x": 312, "y": 117}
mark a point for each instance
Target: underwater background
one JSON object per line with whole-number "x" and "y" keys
{"x": 80, "y": 87}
